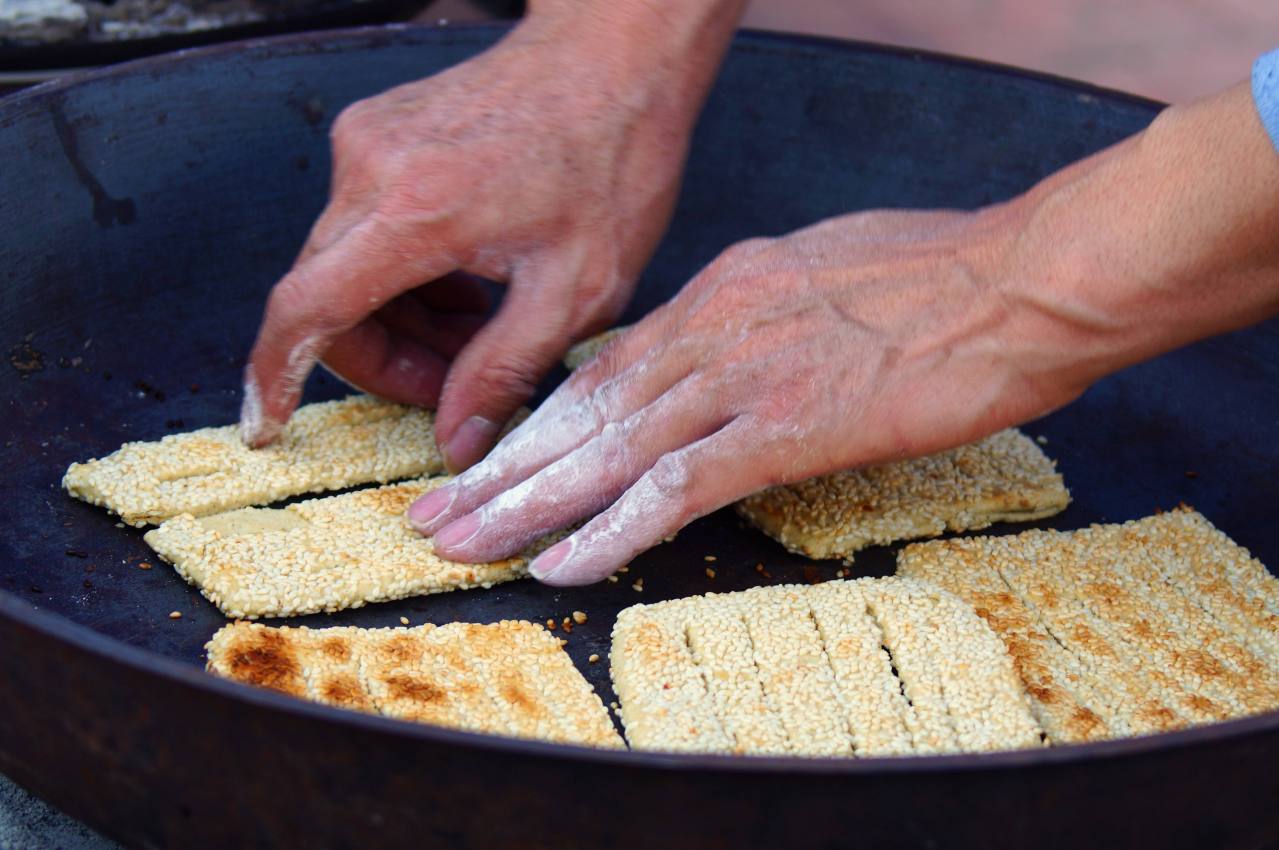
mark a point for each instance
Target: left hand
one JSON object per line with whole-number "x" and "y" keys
{"x": 863, "y": 339}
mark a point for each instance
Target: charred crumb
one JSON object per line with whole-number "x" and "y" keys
{"x": 76, "y": 553}
{"x": 25, "y": 359}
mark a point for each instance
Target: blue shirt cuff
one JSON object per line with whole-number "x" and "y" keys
{"x": 1265, "y": 92}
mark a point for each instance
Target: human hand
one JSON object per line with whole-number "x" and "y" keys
{"x": 883, "y": 335}
{"x": 860, "y": 340}
{"x": 550, "y": 162}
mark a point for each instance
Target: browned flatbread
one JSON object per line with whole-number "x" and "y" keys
{"x": 1005, "y": 477}
{"x": 846, "y": 668}
{"x": 327, "y": 446}
{"x": 322, "y": 554}
{"x": 1121, "y": 630}
{"x": 509, "y": 678}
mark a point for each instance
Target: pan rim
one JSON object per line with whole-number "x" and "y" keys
{"x": 745, "y": 38}
{"x": 144, "y": 661}
{"x": 83, "y": 638}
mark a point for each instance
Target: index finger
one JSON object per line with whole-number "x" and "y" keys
{"x": 324, "y": 295}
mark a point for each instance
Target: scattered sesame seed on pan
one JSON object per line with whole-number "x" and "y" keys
{"x": 1122, "y": 629}
{"x": 509, "y": 678}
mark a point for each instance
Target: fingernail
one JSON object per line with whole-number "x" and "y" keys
{"x": 427, "y": 508}
{"x": 550, "y": 561}
{"x": 255, "y": 429}
{"x": 470, "y": 442}
{"x": 457, "y": 533}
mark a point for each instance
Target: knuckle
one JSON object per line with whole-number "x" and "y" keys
{"x": 671, "y": 478}
{"x": 502, "y": 379}
{"x": 350, "y": 123}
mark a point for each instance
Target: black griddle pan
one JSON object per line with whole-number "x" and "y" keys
{"x": 144, "y": 212}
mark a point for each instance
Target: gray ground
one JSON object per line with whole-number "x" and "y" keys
{"x": 29, "y": 824}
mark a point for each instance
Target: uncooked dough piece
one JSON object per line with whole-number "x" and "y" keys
{"x": 1118, "y": 630}
{"x": 871, "y": 667}
{"x": 1005, "y": 477}
{"x": 331, "y": 445}
{"x": 508, "y": 678}
{"x": 322, "y": 554}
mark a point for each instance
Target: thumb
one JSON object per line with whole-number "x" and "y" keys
{"x": 500, "y": 367}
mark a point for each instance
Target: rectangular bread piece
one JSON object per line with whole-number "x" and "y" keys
{"x": 872, "y": 667}
{"x": 331, "y": 445}
{"x": 1124, "y": 629}
{"x": 1003, "y": 478}
{"x": 510, "y": 678}
{"x": 322, "y": 554}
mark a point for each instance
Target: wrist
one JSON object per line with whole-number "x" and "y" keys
{"x": 659, "y": 58}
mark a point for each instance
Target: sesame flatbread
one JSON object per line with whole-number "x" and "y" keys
{"x": 322, "y": 554}
{"x": 1119, "y": 630}
{"x": 847, "y": 668}
{"x": 587, "y": 349}
{"x": 326, "y": 446}
{"x": 1003, "y": 478}
{"x": 509, "y": 678}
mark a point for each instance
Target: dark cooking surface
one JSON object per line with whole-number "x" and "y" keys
{"x": 138, "y": 340}
{"x": 153, "y": 210}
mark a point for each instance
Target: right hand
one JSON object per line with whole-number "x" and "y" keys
{"x": 547, "y": 162}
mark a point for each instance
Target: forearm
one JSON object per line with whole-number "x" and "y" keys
{"x": 667, "y": 51}
{"x": 1166, "y": 238}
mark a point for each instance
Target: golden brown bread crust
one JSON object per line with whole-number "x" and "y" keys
{"x": 322, "y": 554}
{"x": 870, "y": 667}
{"x": 509, "y": 678}
{"x": 1005, "y": 477}
{"x": 326, "y": 446}
{"x": 1119, "y": 630}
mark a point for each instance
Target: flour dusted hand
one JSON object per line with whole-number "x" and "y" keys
{"x": 550, "y": 163}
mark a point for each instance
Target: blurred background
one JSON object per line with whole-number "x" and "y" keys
{"x": 1165, "y": 49}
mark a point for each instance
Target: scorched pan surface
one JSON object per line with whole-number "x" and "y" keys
{"x": 144, "y": 212}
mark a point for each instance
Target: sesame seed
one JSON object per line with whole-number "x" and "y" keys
{"x": 638, "y": 586}
{"x": 459, "y": 674}
{"x": 1004, "y": 477}
{"x": 710, "y": 573}
{"x": 404, "y": 621}
{"x": 612, "y": 579}
{"x": 323, "y": 554}
{"x": 175, "y": 615}
{"x": 579, "y": 617}
{"x": 709, "y": 558}
{"x": 593, "y": 657}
